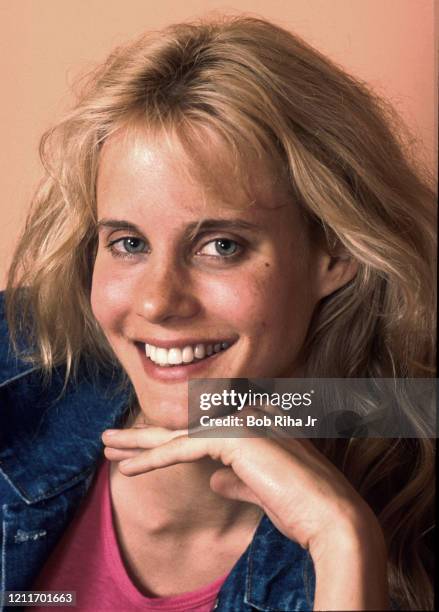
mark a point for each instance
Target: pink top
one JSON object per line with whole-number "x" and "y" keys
{"x": 87, "y": 560}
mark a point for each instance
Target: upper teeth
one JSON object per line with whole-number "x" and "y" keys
{"x": 187, "y": 354}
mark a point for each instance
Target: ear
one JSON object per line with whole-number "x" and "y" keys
{"x": 334, "y": 271}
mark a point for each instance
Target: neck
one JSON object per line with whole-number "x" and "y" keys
{"x": 179, "y": 500}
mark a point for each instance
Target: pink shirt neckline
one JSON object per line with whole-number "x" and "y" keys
{"x": 119, "y": 572}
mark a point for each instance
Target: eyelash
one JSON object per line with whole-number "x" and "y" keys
{"x": 225, "y": 258}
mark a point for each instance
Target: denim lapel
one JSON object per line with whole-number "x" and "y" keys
{"x": 280, "y": 573}
{"x": 50, "y": 440}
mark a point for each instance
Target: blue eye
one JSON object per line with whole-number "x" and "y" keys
{"x": 226, "y": 247}
{"x": 222, "y": 247}
{"x": 133, "y": 245}
{"x": 128, "y": 246}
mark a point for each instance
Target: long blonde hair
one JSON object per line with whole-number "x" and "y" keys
{"x": 344, "y": 155}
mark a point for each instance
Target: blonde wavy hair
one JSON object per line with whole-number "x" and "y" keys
{"x": 346, "y": 158}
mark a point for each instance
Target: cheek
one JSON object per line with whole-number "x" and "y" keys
{"x": 258, "y": 297}
{"x": 235, "y": 296}
{"x": 272, "y": 304}
{"x": 110, "y": 297}
{"x": 224, "y": 299}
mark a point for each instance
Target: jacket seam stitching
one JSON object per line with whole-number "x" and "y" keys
{"x": 305, "y": 577}
{"x": 18, "y": 376}
{"x": 52, "y": 492}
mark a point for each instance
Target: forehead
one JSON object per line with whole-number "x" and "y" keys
{"x": 157, "y": 172}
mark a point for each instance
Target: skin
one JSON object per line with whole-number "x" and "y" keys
{"x": 263, "y": 299}
{"x": 177, "y": 291}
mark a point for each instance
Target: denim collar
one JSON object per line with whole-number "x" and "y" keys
{"x": 50, "y": 439}
{"x": 279, "y": 572}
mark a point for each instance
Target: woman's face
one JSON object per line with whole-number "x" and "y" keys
{"x": 187, "y": 272}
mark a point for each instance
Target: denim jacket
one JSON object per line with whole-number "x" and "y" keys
{"x": 50, "y": 447}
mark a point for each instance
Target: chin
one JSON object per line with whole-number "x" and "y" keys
{"x": 161, "y": 411}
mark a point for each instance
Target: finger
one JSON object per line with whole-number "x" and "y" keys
{"x": 178, "y": 450}
{"x": 297, "y": 445}
{"x": 284, "y": 436}
{"x": 118, "y": 454}
{"x": 139, "y": 437}
{"x": 226, "y": 483}
{"x": 269, "y": 430}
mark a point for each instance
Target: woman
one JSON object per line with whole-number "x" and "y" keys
{"x": 222, "y": 202}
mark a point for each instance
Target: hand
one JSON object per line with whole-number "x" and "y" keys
{"x": 302, "y": 492}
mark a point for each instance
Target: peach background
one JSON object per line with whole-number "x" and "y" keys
{"x": 45, "y": 44}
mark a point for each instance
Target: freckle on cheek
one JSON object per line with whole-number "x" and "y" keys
{"x": 267, "y": 265}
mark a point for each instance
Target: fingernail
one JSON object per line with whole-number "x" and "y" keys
{"x": 110, "y": 432}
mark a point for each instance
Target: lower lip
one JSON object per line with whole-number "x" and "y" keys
{"x": 176, "y": 373}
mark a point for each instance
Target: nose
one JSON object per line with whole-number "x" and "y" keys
{"x": 166, "y": 293}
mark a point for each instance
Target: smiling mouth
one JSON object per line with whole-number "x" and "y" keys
{"x": 176, "y": 356}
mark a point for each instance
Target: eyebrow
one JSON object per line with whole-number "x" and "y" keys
{"x": 190, "y": 230}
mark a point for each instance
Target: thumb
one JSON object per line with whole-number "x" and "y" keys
{"x": 226, "y": 483}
